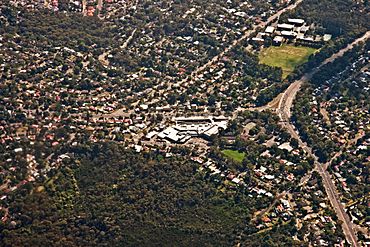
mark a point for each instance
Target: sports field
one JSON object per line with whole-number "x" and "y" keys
{"x": 287, "y": 57}
{"x": 235, "y": 155}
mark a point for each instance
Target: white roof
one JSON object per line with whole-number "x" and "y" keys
{"x": 257, "y": 39}
{"x": 288, "y": 33}
{"x": 211, "y": 131}
{"x": 309, "y": 38}
{"x": 222, "y": 124}
{"x": 296, "y": 21}
{"x": 304, "y": 29}
{"x": 144, "y": 107}
{"x": 278, "y": 39}
{"x": 138, "y": 148}
{"x": 327, "y": 37}
{"x": 173, "y": 135}
{"x": 285, "y": 26}
{"x": 261, "y": 191}
{"x": 300, "y": 36}
{"x": 269, "y": 29}
{"x": 151, "y": 134}
{"x": 286, "y": 146}
{"x": 194, "y": 118}
{"x": 269, "y": 177}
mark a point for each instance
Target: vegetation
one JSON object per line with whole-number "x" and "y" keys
{"x": 341, "y": 18}
{"x": 271, "y": 239}
{"x": 323, "y": 143}
{"x": 108, "y": 196}
{"x": 345, "y": 20}
{"x": 104, "y": 194}
{"x": 287, "y": 57}
{"x": 235, "y": 155}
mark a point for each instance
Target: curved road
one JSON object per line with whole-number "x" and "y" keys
{"x": 285, "y": 104}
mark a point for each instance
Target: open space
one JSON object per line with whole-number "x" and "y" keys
{"x": 287, "y": 57}
{"x": 235, "y": 155}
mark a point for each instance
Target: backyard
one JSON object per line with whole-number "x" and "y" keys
{"x": 234, "y": 155}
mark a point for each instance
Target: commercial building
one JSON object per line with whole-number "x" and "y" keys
{"x": 285, "y": 26}
{"x": 296, "y": 22}
{"x": 198, "y": 126}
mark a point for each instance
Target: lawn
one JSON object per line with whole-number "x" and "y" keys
{"x": 287, "y": 57}
{"x": 235, "y": 155}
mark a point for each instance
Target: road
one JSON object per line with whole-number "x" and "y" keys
{"x": 100, "y": 5}
{"x": 84, "y": 3}
{"x": 246, "y": 35}
{"x": 286, "y": 99}
{"x": 191, "y": 79}
{"x": 285, "y": 104}
{"x": 269, "y": 208}
{"x": 350, "y": 143}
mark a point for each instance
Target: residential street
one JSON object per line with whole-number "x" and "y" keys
{"x": 285, "y": 104}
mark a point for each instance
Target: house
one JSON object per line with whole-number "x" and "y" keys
{"x": 300, "y": 36}
{"x": 151, "y": 134}
{"x": 303, "y": 29}
{"x": 257, "y": 40}
{"x": 286, "y": 146}
{"x": 327, "y": 37}
{"x": 278, "y": 40}
{"x": 269, "y": 30}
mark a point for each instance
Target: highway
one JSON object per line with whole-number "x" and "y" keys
{"x": 285, "y": 104}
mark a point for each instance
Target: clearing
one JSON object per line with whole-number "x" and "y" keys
{"x": 235, "y": 155}
{"x": 287, "y": 57}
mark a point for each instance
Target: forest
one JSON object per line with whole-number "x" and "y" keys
{"x": 104, "y": 194}
{"x": 108, "y": 196}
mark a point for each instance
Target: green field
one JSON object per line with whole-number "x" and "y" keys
{"x": 235, "y": 155}
{"x": 287, "y": 57}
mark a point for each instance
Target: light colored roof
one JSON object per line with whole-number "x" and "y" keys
{"x": 296, "y": 21}
{"x": 300, "y": 36}
{"x": 269, "y": 29}
{"x": 304, "y": 29}
{"x": 285, "y": 26}
{"x": 309, "y": 38}
{"x": 194, "y": 118}
{"x": 138, "y": 148}
{"x": 269, "y": 177}
{"x": 211, "y": 131}
{"x": 151, "y": 134}
{"x": 278, "y": 39}
{"x": 286, "y": 146}
{"x": 327, "y": 37}
{"x": 173, "y": 135}
{"x": 257, "y": 39}
{"x": 288, "y": 33}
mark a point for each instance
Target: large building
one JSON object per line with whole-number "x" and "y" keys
{"x": 296, "y": 22}
{"x": 198, "y": 126}
{"x": 285, "y": 27}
